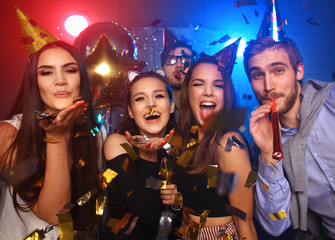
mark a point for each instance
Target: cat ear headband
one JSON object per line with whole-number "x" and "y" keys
{"x": 132, "y": 74}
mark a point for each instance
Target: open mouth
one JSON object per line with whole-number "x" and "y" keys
{"x": 206, "y": 109}
{"x": 153, "y": 116}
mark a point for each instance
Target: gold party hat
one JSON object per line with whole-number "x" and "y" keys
{"x": 34, "y": 36}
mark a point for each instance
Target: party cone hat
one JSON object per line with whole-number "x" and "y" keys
{"x": 272, "y": 24}
{"x": 34, "y": 36}
{"x": 168, "y": 37}
{"x": 227, "y": 56}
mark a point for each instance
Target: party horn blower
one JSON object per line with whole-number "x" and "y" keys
{"x": 277, "y": 149}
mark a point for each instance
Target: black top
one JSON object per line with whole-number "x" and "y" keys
{"x": 197, "y": 197}
{"x": 128, "y": 193}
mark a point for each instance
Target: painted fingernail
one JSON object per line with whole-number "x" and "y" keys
{"x": 172, "y": 131}
{"x": 126, "y": 134}
{"x": 148, "y": 144}
{"x": 85, "y": 109}
{"x": 163, "y": 143}
{"x": 73, "y": 107}
{"x": 167, "y": 136}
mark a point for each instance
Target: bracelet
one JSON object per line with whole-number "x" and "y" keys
{"x": 177, "y": 201}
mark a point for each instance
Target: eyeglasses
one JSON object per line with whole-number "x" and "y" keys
{"x": 172, "y": 59}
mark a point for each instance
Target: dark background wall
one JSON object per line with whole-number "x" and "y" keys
{"x": 217, "y": 18}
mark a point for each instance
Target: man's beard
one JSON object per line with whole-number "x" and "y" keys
{"x": 176, "y": 86}
{"x": 289, "y": 100}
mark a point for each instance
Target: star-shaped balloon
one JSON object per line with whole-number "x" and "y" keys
{"x": 107, "y": 70}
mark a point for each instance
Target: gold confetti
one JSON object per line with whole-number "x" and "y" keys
{"x": 185, "y": 158}
{"x": 81, "y": 134}
{"x": 36, "y": 235}
{"x": 187, "y": 155}
{"x": 125, "y": 164}
{"x": 112, "y": 222}
{"x": 176, "y": 141}
{"x": 65, "y": 227}
{"x": 203, "y": 218}
{"x": 251, "y": 180}
{"x": 107, "y": 177}
{"x": 227, "y": 237}
{"x": 80, "y": 164}
{"x": 266, "y": 187}
{"x": 121, "y": 223}
{"x": 194, "y": 129}
{"x": 152, "y": 110}
{"x": 100, "y": 205}
{"x": 130, "y": 193}
{"x": 278, "y": 215}
{"x": 164, "y": 183}
{"x": 82, "y": 200}
{"x": 39, "y": 182}
{"x": 131, "y": 152}
{"x": 193, "y": 231}
{"x": 183, "y": 229}
{"x": 86, "y": 197}
{"x": 192, "y": 144}
{"x": 212, "y": 176}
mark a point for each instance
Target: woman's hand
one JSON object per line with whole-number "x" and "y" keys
{"x": 171, "y": 196}
{"x": 261, "y": 131}
{"x": 147, "y": 144}
{"x": 62, "y": 123}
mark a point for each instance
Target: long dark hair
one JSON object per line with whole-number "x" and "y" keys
{"x": 128, "y": 124}
{"x": 29, "y": 144}
{"x": 205, "y": 153}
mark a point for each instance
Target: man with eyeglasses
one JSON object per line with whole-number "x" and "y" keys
{"x": 176, "y": 59}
